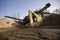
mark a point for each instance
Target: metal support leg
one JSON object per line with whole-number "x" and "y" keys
{"x": 30, "y": 17}
{"x": 38, "y": 18}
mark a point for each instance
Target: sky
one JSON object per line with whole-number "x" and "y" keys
{"x": 13, "y": 7}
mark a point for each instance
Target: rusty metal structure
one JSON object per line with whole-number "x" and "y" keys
{"x": 26, "y": 20}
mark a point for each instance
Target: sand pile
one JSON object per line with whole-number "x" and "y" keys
{"x": 6, "y": 23}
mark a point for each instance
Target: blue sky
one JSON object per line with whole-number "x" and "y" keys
{"x": 11, "y": 7}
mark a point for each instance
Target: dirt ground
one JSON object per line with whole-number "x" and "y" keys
{"x": 15, "y": 33}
